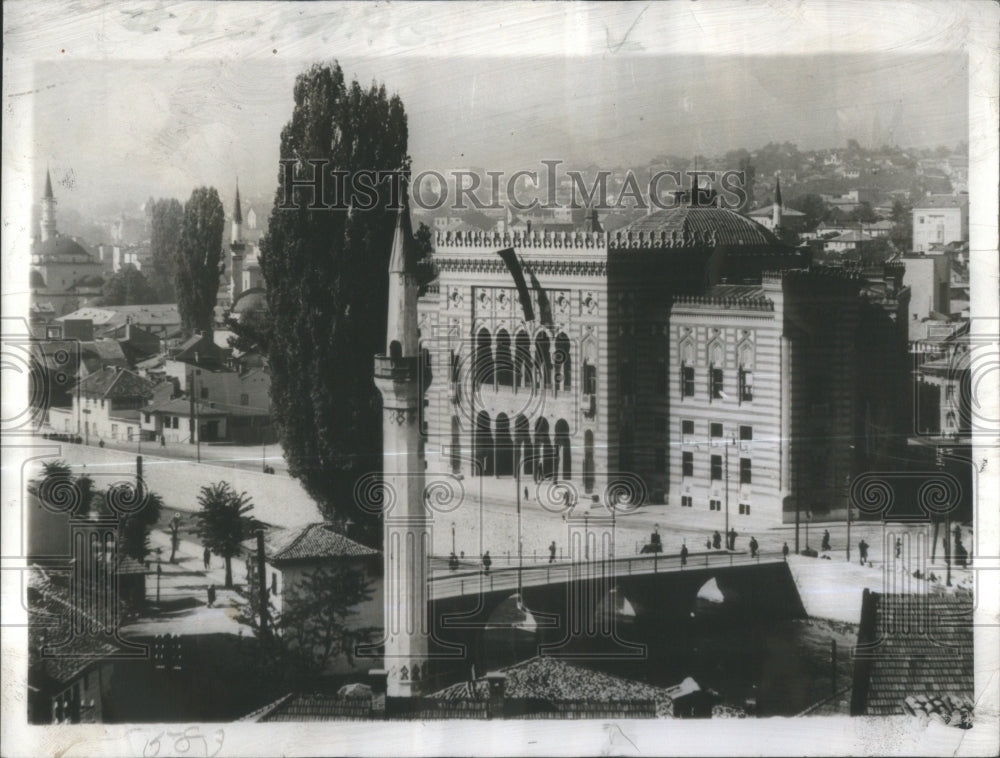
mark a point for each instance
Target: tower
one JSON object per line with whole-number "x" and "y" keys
{"x": 48, "y": 211}
{"x": 776, "y": 210}
{"x": 406, "y": 551}
{"x": 237, "y": 247}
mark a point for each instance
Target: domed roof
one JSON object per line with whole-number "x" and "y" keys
{"x": 59, "y": 247}
{"x": 731, "y": 229}
{"x": 253, "y": 299}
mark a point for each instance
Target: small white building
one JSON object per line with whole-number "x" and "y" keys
{"x": 291, "y": 555}
{"x": 940, "y": 219}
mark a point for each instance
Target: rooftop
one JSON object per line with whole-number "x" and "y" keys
{"x": 730, "y": 228}
{"x": 941, "y": 201}
{"x": 116, "y": 382}
{"x": 313, "y": 542}
{"x": 896, "y": 667}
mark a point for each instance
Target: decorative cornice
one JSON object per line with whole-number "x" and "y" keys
{"x": 619, "y": 240}
{"x": 494, "y": 265}
{"x": 734, "y": 303}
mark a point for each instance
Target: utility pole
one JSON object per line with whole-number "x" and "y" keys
{"x": 262, "y": 585}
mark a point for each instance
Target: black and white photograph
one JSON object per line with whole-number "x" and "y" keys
{"x": 406, "y": 379}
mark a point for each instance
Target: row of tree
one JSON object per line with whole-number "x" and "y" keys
{"x": 187, "y": 262}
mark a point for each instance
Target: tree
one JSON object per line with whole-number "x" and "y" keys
{"x": 223, "y": 523}
{"x": 327, "y": 286}
{"x": 128, "y": 287}
{"x": 199, "y": 260}
{"x": 902, "y": 226}
{"x": 864, "y": 214}
{"x": 314, "y": 627}
{"x": 166, "y": 220}
{"x": 134, "y": 528}
{"x": 251, "y": 331}
{"x": 814, "y": 208}
{"x": 59, "y": 490}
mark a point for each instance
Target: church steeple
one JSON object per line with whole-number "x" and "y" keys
{"x": 48, "y": 210}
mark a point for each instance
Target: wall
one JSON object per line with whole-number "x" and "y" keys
{"x": 278, "y": 499}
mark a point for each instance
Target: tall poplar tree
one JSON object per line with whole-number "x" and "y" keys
{"x": 166, "y": 218}
{"x": 199, "y": 260}
{"x": 326, "y": 271}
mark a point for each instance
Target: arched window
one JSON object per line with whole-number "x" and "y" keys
{"x": 483, "y": 447}
{"x": 564, "y": 457}
{"x": 543, "y": 360}
{"x": 563, "y": 363}
{"x": 522, "y": 445}
{"x": 545, "y": 451}
{"x": 522, "y": 360}
{"x": 588, "y": 461}
{"x": 395, "y": 349}
{"x": 484, "y": 358}
{"x": 504, "y": 447}
{"x": 504, "y": 360}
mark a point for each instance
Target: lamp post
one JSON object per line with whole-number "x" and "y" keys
{"x": 732, "y": 440}
{"x": 159, "y": 570}
{"x": 453, "y": 537}
{"x": 809, "y": 516}
{"x": 586, "y": 535}
{"x": 263, "y": 457}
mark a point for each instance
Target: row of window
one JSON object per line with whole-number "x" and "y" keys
{"x": 713, "y": 505}
{"x": 715, "y": 430}
{"x": 746, "y": 468}
{"x": 717, "y": 384}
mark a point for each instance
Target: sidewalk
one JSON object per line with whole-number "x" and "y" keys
{"x": 183, "y": 593}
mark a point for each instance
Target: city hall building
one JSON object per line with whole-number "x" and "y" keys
{"x": 690, "y": 358}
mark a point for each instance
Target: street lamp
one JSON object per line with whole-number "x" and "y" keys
{"x": 809, "y": 516}
{"x": 159, "y": 570}
{"x": 453, "y": 537}
{"x": 732, "y": 438}
{"x": 586, "y": 535}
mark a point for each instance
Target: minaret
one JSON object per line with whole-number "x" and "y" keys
{"x": 406, "y": 549}
{"x": 776, "y": 210}
{"x": 237, "y": 247}
{"x": 48, "y": 211}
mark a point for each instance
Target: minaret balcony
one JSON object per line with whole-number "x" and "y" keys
{"x": 397, "y": 369}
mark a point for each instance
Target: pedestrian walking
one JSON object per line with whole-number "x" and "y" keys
{"x": 863, "y": 551}
{"x": 732, "y": 538}
{"x": 211, "y": 596}
{"x": 163, "y": 441}
{"x": 899, "y": 546}
{"x": 175, "y": 535}
{"x": 552, "y": 552}
{"x": 708, "y": 543}
{"x": 784, "y": 551}
{"x": 684, "y": 554}
{"x": 487, "y": 562}
{"x": 826, "y": 539}
{"x": 717, "y": 540}
{"x": 753, "y": 547}
{"x": 207, "y": 556}
{"x": 453, "y": 561}
{"x": 526, "y": 496}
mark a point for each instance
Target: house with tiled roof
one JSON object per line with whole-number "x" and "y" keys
{"x": 940, "y": 219}
{"x": 105, "y": 406}
{"x": 292, "y": 556}
{"x": 915, "y": 656}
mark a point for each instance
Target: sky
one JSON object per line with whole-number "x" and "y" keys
{"x": 119, "y": 127}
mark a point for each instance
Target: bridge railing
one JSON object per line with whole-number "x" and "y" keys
{"x": 507, "y": 576}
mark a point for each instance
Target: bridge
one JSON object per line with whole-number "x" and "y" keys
{"x": 594, "y": 603}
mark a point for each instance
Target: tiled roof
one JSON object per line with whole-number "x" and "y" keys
{"x": 181, "y": 406}
{"x": 315, "y": 707}
{"x": 316, "y": 541}
{"x": 116, "y": 382}
{"x": 767, "y": 210}
{"x": 941, "y": 201}
{"x": 922, "y": 648}
{"x": 49, "y": 615}
{"x": 730, "y": 227}
{"x": 543, "y": 678}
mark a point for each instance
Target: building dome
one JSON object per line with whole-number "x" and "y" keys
{"x": 253, "y": 299}
{"x": 730, "y": 228}
{"x": 62, "y": 249}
